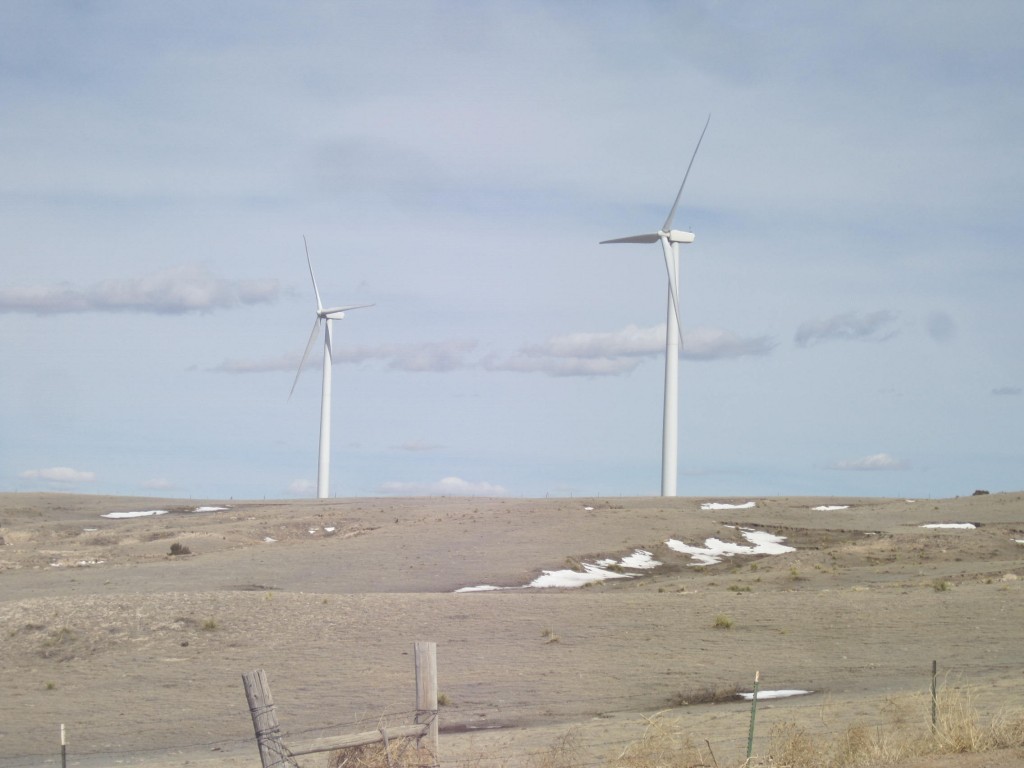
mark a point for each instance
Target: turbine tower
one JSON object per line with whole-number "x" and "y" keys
{"x": 327, "y": 316}
{"x": 670, "y": 240}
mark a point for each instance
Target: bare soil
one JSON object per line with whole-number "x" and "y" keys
{"x": 140, "y": 652}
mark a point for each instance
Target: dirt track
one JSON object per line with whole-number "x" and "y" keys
{"x": 140, "y": 653}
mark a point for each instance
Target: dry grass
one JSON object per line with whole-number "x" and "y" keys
{"x": 567, "y": 751}
{"x": 906, "y": 733}
{"x": 664, "y": 743}
{"x": 398, "y": 753}
{"x": 959, "y": 728}
{"x": 709, "y": 694}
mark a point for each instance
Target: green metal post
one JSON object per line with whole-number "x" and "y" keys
{"x": 753, "y": 715}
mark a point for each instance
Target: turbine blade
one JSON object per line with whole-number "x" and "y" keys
{"x": 335, "y": 310}
{"x": 673, "y": 287}
{"x": 633, "y": 239}
{"x": 319, "y": 306}
{"x": 672, "y": 213}
{"x": 309, "y": 346}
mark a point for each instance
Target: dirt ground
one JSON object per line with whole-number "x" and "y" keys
{"x": 140, "y": 652}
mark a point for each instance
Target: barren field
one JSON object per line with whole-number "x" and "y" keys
{"x": 140, "y": 652}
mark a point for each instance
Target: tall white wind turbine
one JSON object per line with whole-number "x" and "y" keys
{"x": 327, "y": 316}
{"x": 670, "y": 240}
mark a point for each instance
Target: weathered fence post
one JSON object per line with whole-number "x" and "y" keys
{"x": 426, "y": 692}
{"x": 935, "y": 695}
{"x": 264, "y": 720}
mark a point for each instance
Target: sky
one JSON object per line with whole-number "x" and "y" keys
{"x": 851, "y": 304}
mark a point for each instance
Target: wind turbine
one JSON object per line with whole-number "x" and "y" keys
{"x": 327, "y": 316}
{"x": 670, "y": 240}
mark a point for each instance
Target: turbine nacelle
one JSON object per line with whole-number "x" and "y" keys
{"x": 677, "y": 236}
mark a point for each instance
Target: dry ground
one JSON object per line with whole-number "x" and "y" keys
{"x": 141, "y": 653}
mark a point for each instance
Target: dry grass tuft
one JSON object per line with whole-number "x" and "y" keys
{"x": 565, "y": 752}
{"x": 709, "y": 694}
{"x": 663, "y": 743}
{"x": 722, "y": 622}
{"x": 958, "y": 729}
{"x": 399, "y": 753}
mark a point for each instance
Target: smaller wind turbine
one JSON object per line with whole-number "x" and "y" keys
{"x": 670, "y": 240}
{"x": 326, "y": 316}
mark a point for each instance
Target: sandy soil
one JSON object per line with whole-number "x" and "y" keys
{"x": 140, "y": 653}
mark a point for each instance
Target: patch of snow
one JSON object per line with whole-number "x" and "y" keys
{"x": 640, "y": 560}
{"x": 568, "y": 578}
{"x": 89, "y": 530}
{"x": 950, "y": 525}
{"x": 210, "y": 509}
{"x": 313, "y": 530}
{"x": 715, "y": 549}
{"x": 123, "y": 515}
{"x": 592, "y": 572}
{"x": 712, "y": 505}
{"x": 774, "y": 694}
{"x": 910, "y": 501}
{"x": 830, "y": 508}
{"x": 270, "y": 540}
{"x": 588, "y": 509}
{"x": 330, "y": 530}
{"x": 1019, "y": 541}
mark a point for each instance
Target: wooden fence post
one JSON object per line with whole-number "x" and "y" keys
{"x": 426, "y": 692}
{"x": 264, "y": 720}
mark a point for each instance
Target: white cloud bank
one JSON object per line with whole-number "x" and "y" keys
{"x": 850, "y": 326}
{"x": 877, "y": 461}
{"x": 615, "y": 352}
{"x": 59, "y": 475}
{"x": 172, "y": 292}
{"x": 301, "y": 487}
{"x": 427, "y": 357}
{"x": 447, "y": 486}
{"x": 1006, "y": 391}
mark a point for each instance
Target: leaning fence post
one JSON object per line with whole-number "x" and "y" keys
{"x": 425, "y": 654}
{"x": 264, "y": 720}
{"x": 935, "y": 703}
{"x": 753, "y": 715}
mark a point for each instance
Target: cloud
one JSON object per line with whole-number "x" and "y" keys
{"x": 1006, "y": 391}
{"x": 448, "y": 486}
{"x": 941, "y": 327}
{"x": 428, "y": 357}
{"x": 59, "y": 475}
{"x": 265, "y": 365}
{"x": 877, "y": 461}
{"x": 850, "y": 326}
{"x": 715, "y": 344}
{"x": 301, "y": 487}
{"x": 172, "y": 292}
{"x": 631, "y": 341}
{"x": 436, "y": 357}
{"x": 571, "y": 366}
{"x": 616, "y": 352}
{"x": 417, "y": 446}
